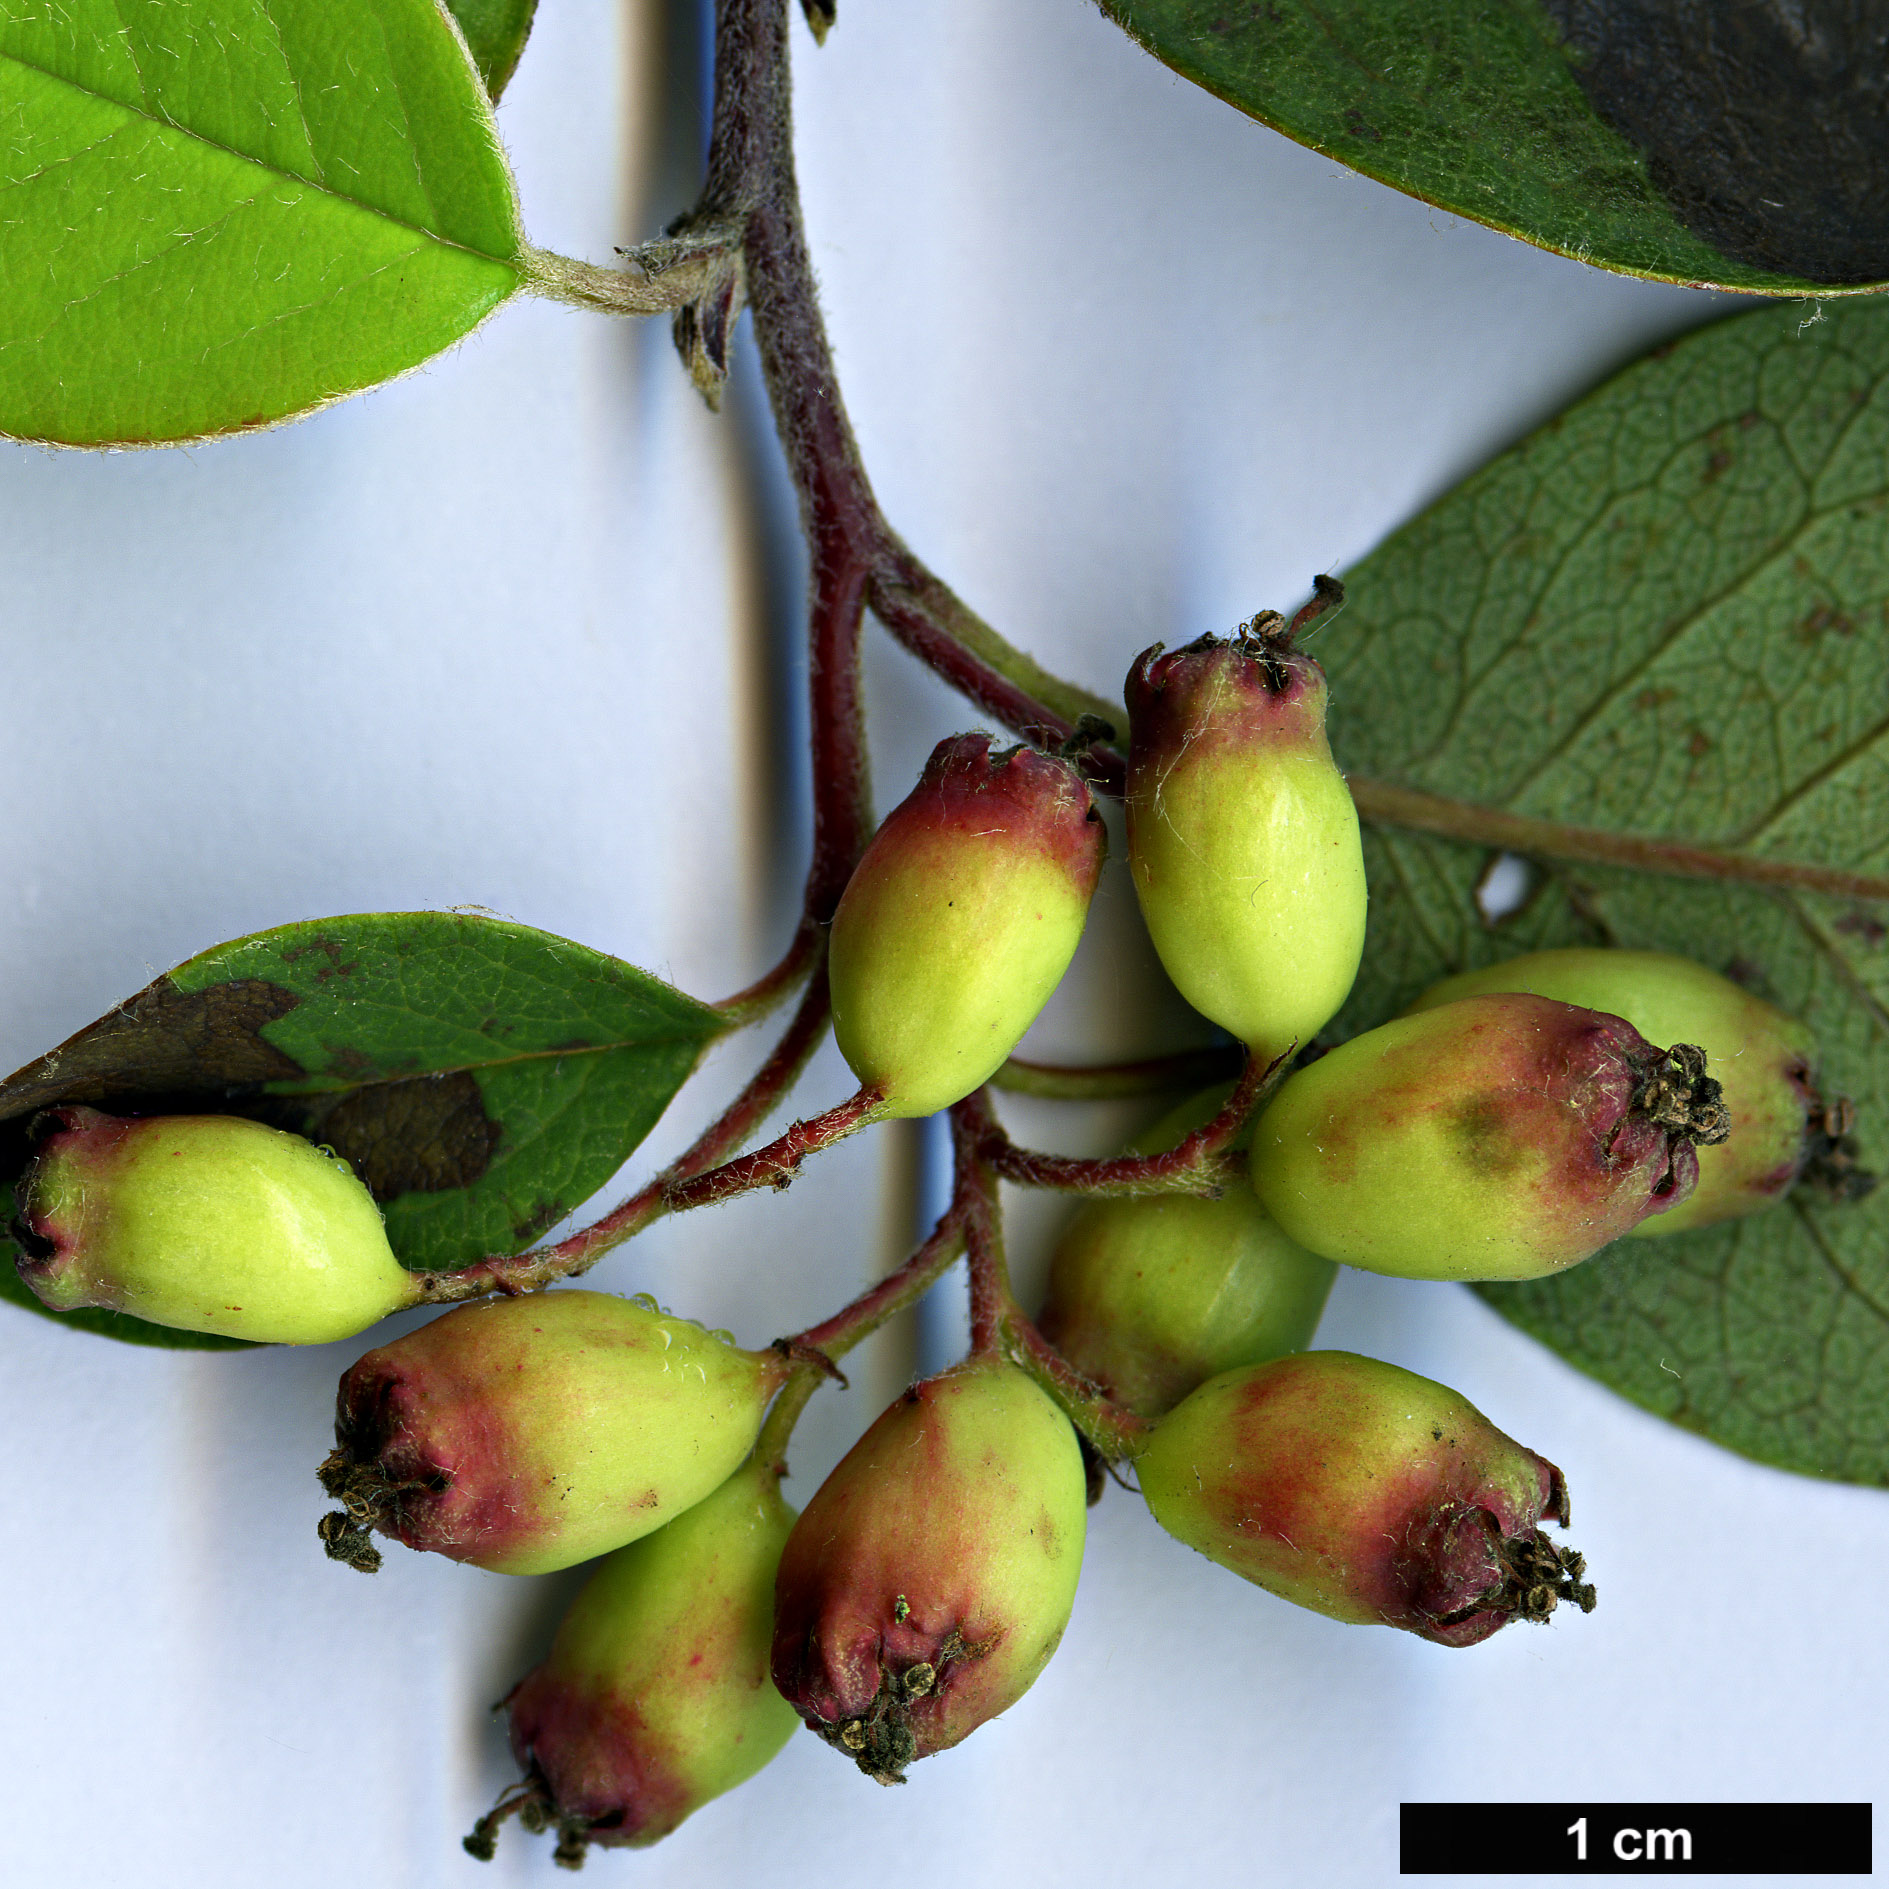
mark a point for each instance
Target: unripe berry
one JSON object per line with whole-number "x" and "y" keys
{"x": 932, "y": 1574}
{"x": 656, "y": 1695}
{"x": 960, "y": 920}
{"x": 1364, "y": 1492}
{"x": 1242, "y": 836}
{"x": 532, "y": 1433}
{"x": 1760, "y": 1057}
{"x": 206, "y": 1223}
{"x": 1497, "y": 1138}
{"x": 1152, "y": 1295}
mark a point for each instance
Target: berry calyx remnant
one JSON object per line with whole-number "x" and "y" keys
{"x": 960, "y": 919}
{"x": 205, "y": 1223}
{"x": 1499, "y": 1137}
{"x": 1760, "y": 1057}
{"x": 529, "y": 1434}
{"x": 1150, "y": 1296}
{"x": 1367, "y": 1493}
{"x": 930, "y": 1578}
{"x": 655, "y": 1697}
{"x": 1242, "y": 836}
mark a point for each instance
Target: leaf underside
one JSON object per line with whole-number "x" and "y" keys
{"x": 1667, "y": 613}
{"x": 484, "y": 1079}
{"x": 1739, "y": 147}
{"x": 218, "y": 214}
{"x": 496, "y": 31}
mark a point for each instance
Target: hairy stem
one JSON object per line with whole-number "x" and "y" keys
{"x": 752, "y": 185}
{"x": 546, "y": 1265}
{"x": 949, "y": 638}
{"x": 750, "y": 209}
{"x": 852, "y": 1325}
{"x": 616, "y": 291}
{"x": 1205, "y": 1162}
{"x": 776, "y": 1164}
{"x": 971, "y": 1121}
{"x": 998, "y": 1323}
{"x": 1116, "y": 1432}
{"x": 855, "y": 553}
{"x": 855, "y": 1323}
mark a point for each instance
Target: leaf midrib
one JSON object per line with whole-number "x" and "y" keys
{"x": 321, "y": 1085}
{"x": 513, "y": 262}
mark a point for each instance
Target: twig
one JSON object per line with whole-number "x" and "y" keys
{"x": 546, "y": 1265}
{"x": 1117, "y": 1433}
{"x": 853, "y": 1324}
{"x": 1203, "y": 1163}
{"x": 776, "y": 1164}
{"x": 998, "y": 1325}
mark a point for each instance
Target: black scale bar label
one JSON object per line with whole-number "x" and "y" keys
{"x": 1636, "y": 1839}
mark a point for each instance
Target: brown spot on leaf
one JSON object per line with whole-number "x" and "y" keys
{"x": 162, "y": 1042}
{"x": 1864, "y": 927}
{"x": 1699, "y": 744}
{"x": 1655, "y": 698}
{"x": 338, "y": 965}
{"x": 353, "y": 1064}
{"x": 1825, "y": 619}
{"x": 1766, "y": 128}
{"x": 1718, "y": 462}
{"x": 417, "y": 1135}
{"x": 1360, "y": 127}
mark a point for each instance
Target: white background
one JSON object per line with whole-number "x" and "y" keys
{"x": 517, "y": 632}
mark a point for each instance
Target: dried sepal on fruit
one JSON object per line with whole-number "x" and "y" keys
{"x": 529, "y": 1434}
{"x": 1242, "y": 836}
{"x": 1761, "y": 1059}
{"x": 205, "y": 1223}
{"x": 1499, "y": 1137}
{"x": 960, "y": 920}
{"x": 1367, "y": 1493}
{"x": 930, "y": 1578}
{"x": 655, "y": 1696}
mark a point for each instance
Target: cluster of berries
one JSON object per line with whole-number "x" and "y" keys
{"x": 1513, "y": 1122}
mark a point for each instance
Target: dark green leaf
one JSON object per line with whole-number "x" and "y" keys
{"x": 1667, "y": 614}
{"x": 217, "y": 214}
{"x": 483, "y": 1078}
{"x": 1743, "y": 147}
{"x": 496, "y": 31}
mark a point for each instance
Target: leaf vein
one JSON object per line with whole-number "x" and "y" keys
{"x": 1550, "y": 576}
{"x": 1813, "y": 780}
{"x": 1844, "y": 1275}
{"x": 295, "y": 88}
{"x": 243, "y": 157}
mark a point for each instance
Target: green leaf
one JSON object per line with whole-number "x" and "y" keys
{"x": 1670, "y": 138}
{"x": 1667, "y": 614}
{"x": 484, "y": 1079}
{"x": 218, "y": 214}
{"x": 496, "y": 31}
